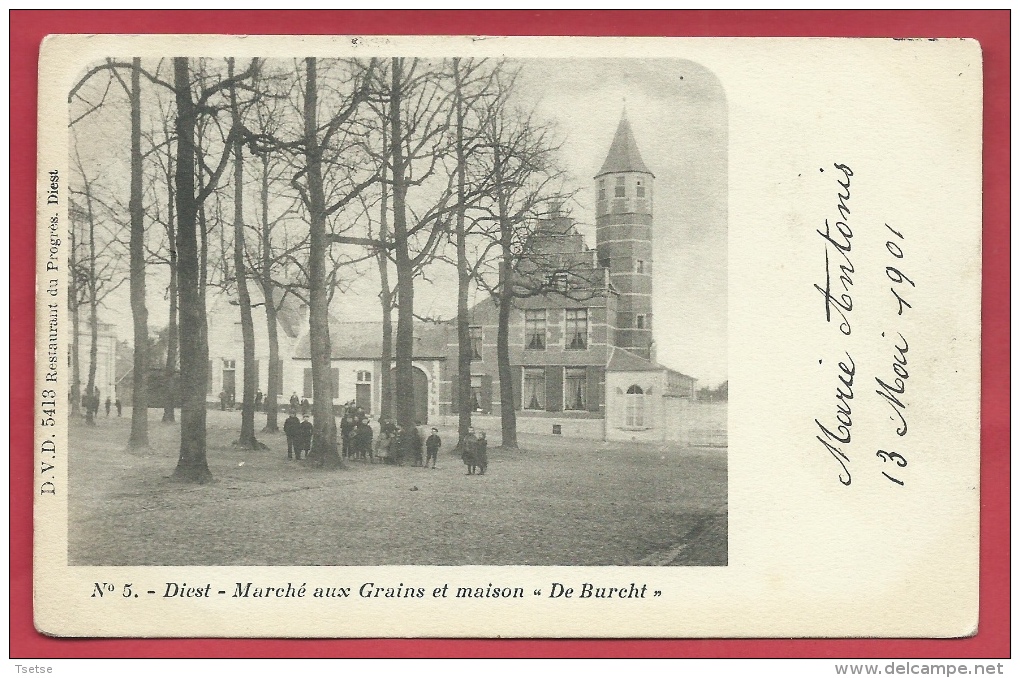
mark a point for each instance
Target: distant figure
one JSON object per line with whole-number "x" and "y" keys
{"x": 108, "y": 404}
{"x": 305, "y": 437}
{"x": 294, "y": 401}
{"x": 432, "y": 445}
{"x": 223, "y": 401}
{"x": 346, "y": 435}
{"x": 363, "y": 441}
{"x": 292, "y": 429}
{"x": 258, "y": 401}
{"x": 304, "y": 406}
{"x": 117, "y": 404}
{"x": 482, "y": 453}
{"x": 467, "y": 454}
{"x": 382, "y": 446}
{"x": 415, "y": 445}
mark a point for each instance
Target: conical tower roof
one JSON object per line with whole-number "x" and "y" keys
{"x": 623, "y": 153}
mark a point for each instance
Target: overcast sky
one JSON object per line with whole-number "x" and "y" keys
{"x": 677, "y": 110}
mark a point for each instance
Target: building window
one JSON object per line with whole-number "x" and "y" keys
{"x": 604, "y": 262}
{"x": 475, "y": 333}
{"x": 640, "y": 321}
{"x": 639, "y": 266}
{"x": 640, "y": 188}
{"x": 476, "y": 393}
{"x": 364, "y": 377}
{"x": 575, "y": 388}
{"x": 534, "y": 388}
{"x": 634, "y": 414}
{"x": 534, "y": 329}
{"x": 556, "y": 281}
{"x": 577, "y": 328}
{"x": 230, "y": 379}
{"x": 602, "y": 189}
{"x": 621, "y": 187}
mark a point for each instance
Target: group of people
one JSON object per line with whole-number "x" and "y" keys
{"x": 299, "y": 435}
{"x": 90, "y": 404}
{"x": 296, "y": 403}
{"x": 395, "y": 444}
{"x": 475, "y": 452}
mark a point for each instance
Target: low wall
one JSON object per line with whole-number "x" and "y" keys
{"x": 591, "y": 429}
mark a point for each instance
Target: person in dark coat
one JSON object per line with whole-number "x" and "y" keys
{"x": 108, "y": 404}
{"x": 363, "y": 441}
{"x": 295, "y": 402}
{"x": 482, "y": 453}
{"x": 346, "y": 427}
{"x": 258, "y": 401}
{"x": 118, "y": 405}
{"x": 415, "y": 445}
{"x": 467, "y": 454}
{"x": 292, "y": 428}
{"x": 304, "y": 406}
{"x": 432, "y": 445}
{"x": 305, "y": 437}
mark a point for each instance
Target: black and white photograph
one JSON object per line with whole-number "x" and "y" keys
{"x": 399, "y": 337}
{"x": 397, "y": 311}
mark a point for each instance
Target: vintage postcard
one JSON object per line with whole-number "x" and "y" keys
{"x": 507, "y": 337}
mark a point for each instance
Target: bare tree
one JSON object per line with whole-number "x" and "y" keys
{"x": 192, "y": 465}
{"x": 329, "y": 146}
{"x": 99, "y": 274}
{"x": 523, "y": 181}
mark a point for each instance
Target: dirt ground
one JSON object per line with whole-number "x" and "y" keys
{"x": 557, "y": 501}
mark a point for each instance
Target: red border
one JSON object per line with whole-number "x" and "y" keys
{"x": 990, "y": 27}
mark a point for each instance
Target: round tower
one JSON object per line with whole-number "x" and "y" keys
{"x": 623, "y": 223}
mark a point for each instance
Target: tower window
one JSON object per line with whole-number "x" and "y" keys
{"x": 534, "y": 329}
{"x": 640, "y": 188}
{"x": 621, "y": 187}
{"x": 604, "y": 262}
{"x": 640, "y": 321}
{"x": 639, "y": 266}
{"x": 602, "y": 189}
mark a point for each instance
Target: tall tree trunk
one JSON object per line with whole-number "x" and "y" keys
{"x": 324, "y": 448}
{"x": 405, "y": 270}
{"x": 464, "y": 348}
{"x": 268, "y": 292}
{"x": 247, "y": 438}
{"x": 508, "y": 417}
{"x": 169, "y": 413}
{"x": 191, "y": 464}
{"x": 140, "y": 315}
{"x": 93, "y": 407}
{"x": 385, "y": 293}
{"x": 73, "y": 295}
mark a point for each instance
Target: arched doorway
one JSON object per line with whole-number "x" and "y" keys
{"x": 420, "y": 385}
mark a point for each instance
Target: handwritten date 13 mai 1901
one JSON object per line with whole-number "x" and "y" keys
{"x": 836, "y": 430}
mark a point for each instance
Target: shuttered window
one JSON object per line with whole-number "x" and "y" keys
{"x": 576, "y": 328}
{"x": 534, "y": 329}
{"x": 575, "y": 388}
{"x": 534, "y": 388}
{"x": 307, "y": 390}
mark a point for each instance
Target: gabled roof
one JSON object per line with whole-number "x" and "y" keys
{"x": 363, "y": 341}
{"x": 622, "y": 360}
{"x": 623, "y": 153}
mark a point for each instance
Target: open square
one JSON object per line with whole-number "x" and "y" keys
{"x": 556, "y": 501}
